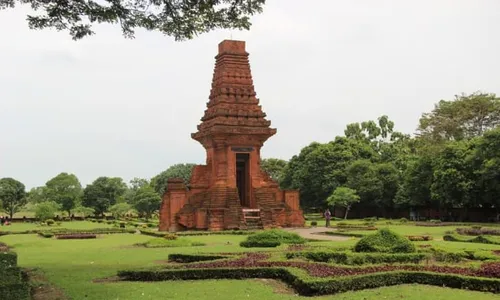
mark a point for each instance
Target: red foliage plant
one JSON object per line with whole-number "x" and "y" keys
{"x": 253, "y": 260}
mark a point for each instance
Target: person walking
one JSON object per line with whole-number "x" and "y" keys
{"x": 328, "y": 216}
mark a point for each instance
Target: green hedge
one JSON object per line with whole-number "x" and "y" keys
{"x": 349, "y": 258}
{"x": 272, "y": 238}
{"x": 385, "y": 241}
{"x": 481, "y": 239}
{"x": 188, "y": 258}
{"x": 197, "y": 233}
{"x": 8, "y": 259}
{"x": 309, "y": 286}
{"x": 348, "y": 234}
{"x": 46, "y": 234}
{"x": 260, "y": 244}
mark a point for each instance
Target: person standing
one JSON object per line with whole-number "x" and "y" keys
{"x": 328, "y": 216}
{"x": 2, "y": 220}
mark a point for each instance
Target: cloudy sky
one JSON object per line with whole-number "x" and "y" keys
{"x": 109, "y": 106}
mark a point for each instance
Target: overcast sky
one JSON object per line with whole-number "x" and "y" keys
{"x": 109, "y": 106}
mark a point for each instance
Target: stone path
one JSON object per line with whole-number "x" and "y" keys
{"x": 314, "y": 234}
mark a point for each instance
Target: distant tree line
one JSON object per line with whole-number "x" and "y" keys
{"x": 452, "y": 161}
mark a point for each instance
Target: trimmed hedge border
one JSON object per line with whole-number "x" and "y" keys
{"x": 68, "y": 231}
{"x": 76, "y": 236}
{"x": 13, "y": 281}
{"x": 347, "y": 258}
{"x": 189, "y": 258}
{"x": 479, "y": 239}
{"x": 348, "y": 234}
{"x": 197, "y": 233}
{"x": 307, "y": 286}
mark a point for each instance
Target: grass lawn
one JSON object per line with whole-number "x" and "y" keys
{"x": 72, "y": 265}
{"x": 20, "y": 226}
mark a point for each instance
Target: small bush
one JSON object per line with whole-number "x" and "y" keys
{"x": 46, "y": 234}
{"x": 170, "y": 236}
{"x": 272, "y": 238}
{"x": 49, "y": 222}
{"x": 75, "y": 236}
{"x": 478, "y": 239}
{"x": 403, "y": 220}
{"x": 163, "y": 243}
{"x": 188, "y": 258}
{"x": 384, "y": 241}
{"x": 371, "y": 219}
{"x": 314, "y": 223}
{"x": 260, "y": 244}
{"x": 419, "y": 238}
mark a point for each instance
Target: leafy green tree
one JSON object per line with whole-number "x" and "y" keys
{"x": 486, "y": 162}
{"x": 343, "y": 196}
{"x": 453, "y": 180}
{"x": 103, "y": 193}
{"x": 275, "y": 167}
{"x": 147, "y": 201}
{"x": 159, "y": 182}
{"x": 65, "y": 189}
{"x": 37, "y": 195}
{"x": 135, "y": 185}
{"x": 181, "y": 19}
{"x": 120, "y": 209}
{"x": 415, "y": 187}
{"x": 362, "y": 176}
{"x": 46, "y": 210}
{"x": 464, "y": 117}
{"x": 12, "y": 195}
{"x": 83, "y": 210}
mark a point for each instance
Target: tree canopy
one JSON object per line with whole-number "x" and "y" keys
{"x": 159, "y": 182}
{"x": 182, "y": 19}
{"x": 12, "y": 195}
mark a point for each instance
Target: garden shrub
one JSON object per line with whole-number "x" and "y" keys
{"x": 314, "y": 223}
{"x": 163, "y": 243}
{"x": 272, "y": 238}
{"x": 479, "y": 239}
{"x": 419, "y": 238}
{"x": 170, "y": 236}
{"x": 46, "y": 234}
{"x": 49, "y": 222}
{"x": 403, "y": 220}
{"x": 349, "y": 258}
{"x": 306, "y": 286}
{"x": 188, "y": 258}
{"x": 384, "y": 241}
{"x": 478, "y": 230}
{"x": 75, "y": 236}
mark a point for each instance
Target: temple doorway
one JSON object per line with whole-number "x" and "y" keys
{"x": 243, "y": 178}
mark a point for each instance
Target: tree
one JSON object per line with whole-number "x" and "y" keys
{"x": 453, "y": 176}
{"x": 465, "y": 117}
{"x": 274, "y": 167}
{"x": 362, "y": 176}
{"x": 159, "y": 182}
{"x": 46, "y": 210}
{"x": 65, "y": 189}
{"x": 147, "y": 201}
{"x": 103, "y": 193}
{"x": 182, "y": 19}
{"x": 486, "y": 162}
{"x": 135, "y": 185}
{"x": 12, "y": 195}
{"x": 37, "y": 195}
{"x": 343, "y": 196}
{"x": 120, "y": 209}
{"x": 84, "y": 211}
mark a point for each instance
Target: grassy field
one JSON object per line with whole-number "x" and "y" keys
{"x": 72, "y": 265}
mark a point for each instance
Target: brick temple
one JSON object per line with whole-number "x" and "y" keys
{"x": 231, "y": 191}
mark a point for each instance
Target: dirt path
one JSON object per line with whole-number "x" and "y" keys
{"x": 314, "y": 234}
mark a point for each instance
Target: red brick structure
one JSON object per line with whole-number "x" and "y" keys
{"x": 230, "y": 191}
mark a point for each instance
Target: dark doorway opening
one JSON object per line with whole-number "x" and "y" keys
{"x": 242, "y": 178}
